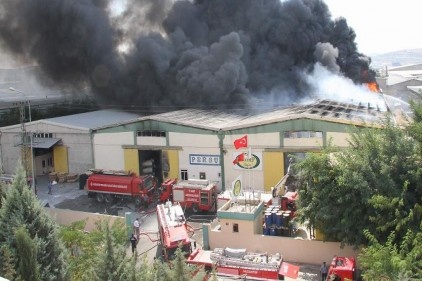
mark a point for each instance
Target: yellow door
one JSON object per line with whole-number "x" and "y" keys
{"x": 170, "y": 164}
{"x": 132, "y": 160}
{"x": 273, "y": 168}
{"x": 61, "y": 164}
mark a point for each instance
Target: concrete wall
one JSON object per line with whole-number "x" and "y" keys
{"x": 338, "y": 139}
{"x": 66, "y": 217}
{"x": 292, "y": 250}
{"x": 108, "y": 150}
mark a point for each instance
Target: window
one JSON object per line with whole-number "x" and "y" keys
{"x": 184, "y": 174}
{"x": 151, "y": 133}
{"x": 204, "y": 198}
{"x": 302, "y": 134}
{"x": 43, "y": 135}
{"x": 202, "y": 176}
{"x": 235, "y": 227}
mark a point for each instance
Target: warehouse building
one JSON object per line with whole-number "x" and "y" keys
{"x": 60, "y": 144}
{"x": 200, "y": 144}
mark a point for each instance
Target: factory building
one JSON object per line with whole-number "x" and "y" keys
{"x": 200, "y": 144}
{"x": 60, "y": 144}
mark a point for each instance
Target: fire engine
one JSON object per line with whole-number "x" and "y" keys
{"x": 234, "y": 263}
{"x": 105, "y": 186}
{"x": 196, "y": 195}
{"x": 342, "y": 269}
{"x": 172, "y": 229}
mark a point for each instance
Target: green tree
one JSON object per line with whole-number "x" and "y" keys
{"x": 374, "y": 184}
{"x": 107, "y": 257}
{"x": 390, "y": 261}
{"x": 27, "y": 252}
{"x": 179, "y": 269}
{"x": 20, "y": 208}
{"x": 7, "y": 263}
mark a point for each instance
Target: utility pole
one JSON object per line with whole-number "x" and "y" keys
{"x": 28, "y": 163}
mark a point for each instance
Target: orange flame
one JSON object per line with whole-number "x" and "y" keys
{"x": 373, "y": 87}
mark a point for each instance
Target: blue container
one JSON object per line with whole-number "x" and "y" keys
{"x": 273, "y": 231}
{"x": 274, "y": 216}
{"x": 265, "y": 229}
{"x": 268, "y": 218}
{"x": 279, "y": 219}
{"x": 286, "y": 219}
{"x": 279, "y": 231}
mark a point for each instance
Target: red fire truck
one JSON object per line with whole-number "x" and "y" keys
{"x": 236, "y": 263}
{"x": 105, "y": 186}
{"x": 172, "y": 229}
{"x": 197, "y": 195}
{"x": 342, "y": 269}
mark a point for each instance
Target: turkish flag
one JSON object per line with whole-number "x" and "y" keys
{"x": 242, "y": 142}
{"x": 239, "y": 158}
{"x": 289, "y": 270}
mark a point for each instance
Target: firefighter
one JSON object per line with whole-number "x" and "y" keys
{"x": 133, "y": 242}
{"x": 136, "y": 228}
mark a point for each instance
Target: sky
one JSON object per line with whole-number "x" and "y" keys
{"x": 381, "y": 25}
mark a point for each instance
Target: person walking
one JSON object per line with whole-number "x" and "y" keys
{"x": 324, "y": 271}
{"x": 50, "y": 187}
{"x": 133, "y": 242}
{"x": 136, "y": 228}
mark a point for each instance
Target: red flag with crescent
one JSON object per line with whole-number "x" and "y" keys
{"x": 242, "y": 142}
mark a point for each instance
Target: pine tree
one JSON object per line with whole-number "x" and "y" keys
{"x": 179, "y": 270}
{"x": 110, "y": 262}
{"x": 27, "y": 252}
{"x": 21, "y": 208}
{"x": 7, "y": 263}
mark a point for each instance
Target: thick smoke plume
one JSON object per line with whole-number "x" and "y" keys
{"x": 215, "y": 54}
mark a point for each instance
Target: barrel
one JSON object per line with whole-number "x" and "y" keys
{"x": 279, "y": 230}
{"x": 268, "y": 218}
{"x": 286, "y": 219}
{"x": 274, "y": 216}
{"x": 279, "y": 219}
{"x": 265, "y": 229}
{"x": 273, "y": 231}
{"x": 285, "y": 231}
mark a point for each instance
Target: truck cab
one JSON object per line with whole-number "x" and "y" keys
{"x": 342, "y": 269}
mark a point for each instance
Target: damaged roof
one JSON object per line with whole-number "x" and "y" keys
{"x": 339, "y": 112}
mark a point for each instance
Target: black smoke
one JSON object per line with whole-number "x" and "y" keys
{"x": 217, "y": 54}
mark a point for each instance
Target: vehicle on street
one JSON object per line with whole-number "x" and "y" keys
{"x": 196, "y": 195}
{"x": 106, "y": 186}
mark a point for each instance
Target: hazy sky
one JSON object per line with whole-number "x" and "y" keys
{"x": 381, "y": 25}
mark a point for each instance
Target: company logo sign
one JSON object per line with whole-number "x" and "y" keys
{"x": 244, "y": 161}
{"x": 204, "y": 159}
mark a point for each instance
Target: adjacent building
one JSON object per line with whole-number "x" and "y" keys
{"x": 60, "y": 144}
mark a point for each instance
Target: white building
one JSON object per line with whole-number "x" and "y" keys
{"x": 60, "y": 144}
{"x": 200, "y": 144}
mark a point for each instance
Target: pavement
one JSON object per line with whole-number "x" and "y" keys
{"x": 69, "y": 196}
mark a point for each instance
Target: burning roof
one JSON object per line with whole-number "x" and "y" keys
{"x": 353, "y": 113}
{"x": 162, "y": 55}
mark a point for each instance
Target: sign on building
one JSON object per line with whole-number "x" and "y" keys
{"x": 204, "y": 159}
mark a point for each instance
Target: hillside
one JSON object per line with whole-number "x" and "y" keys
{"x": 397, "y": 58}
